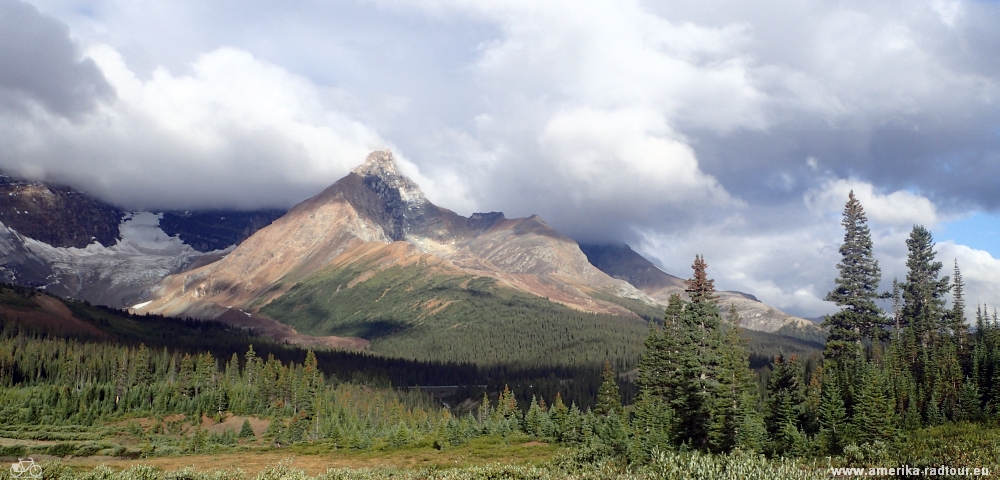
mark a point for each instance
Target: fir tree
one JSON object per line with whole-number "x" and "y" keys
{"x": 874, "y": 414}
{"x": 246, "y": 431}
{"x": 956, "y": 319}
{"x": 659, "y": 367}
{"x": 681, "y": 366}
{"x": 834, "y": 434}
{"x": 784, "y": 403}
{"x": 698, "y": 351}
{"x": 856, "y": 288}
{"x": 923, "y": 292}
{"x": 735, "y": 384}
{"x": 608, "y": 396}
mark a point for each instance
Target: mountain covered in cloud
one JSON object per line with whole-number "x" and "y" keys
{"x": 372, "y": 234}
{"x": 71, "y": 244}
{"x": 375, "y": 223}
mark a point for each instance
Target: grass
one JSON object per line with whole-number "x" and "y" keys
{"x": 316, "y": 458}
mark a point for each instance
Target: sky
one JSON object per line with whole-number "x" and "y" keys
{"x": 729, "y": 129}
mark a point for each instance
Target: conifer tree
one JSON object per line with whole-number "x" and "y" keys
{"x": 856, "y": 288}
{"x": 923, "y": 292}
{"x": 699, "y": 345}
{"x": 834, "y": 434}
{"x": 735, "y": 384}
{"x": 956, "y": 318}
{"x": 246, "y": 431}
{"x": 608, "y": 396}
{"x": 784, "y": 403}
{"x": 659, "y": 367}
{"x": 751, "y": 433}
{"x": 874, "y": 414}
{"x": 934, "y": 361}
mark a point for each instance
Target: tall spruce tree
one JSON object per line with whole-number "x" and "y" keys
{"x": 736, "y": 385}
{"x": 856, "y": 288}
{"x": 956, "y": 319}
{"x": 700, "y": 343}
{"x": 923, "y": 292}
{"x": 680, "y": 369}
{"x": 935, "y": 365}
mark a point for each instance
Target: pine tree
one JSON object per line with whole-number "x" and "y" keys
{"x": 699, "y": 344}
{"x": 874, "y": 414}
{"x": 969, "y": 402}
{"x": 654, "y": 424}
{"x": 751, "y": 433}
{"x": 856, "y": 288}
{"x": 608, "y": 396}
{"x": 956, "y": 319}
{"x": 735, "y": 382}
{"x": 923, "y": 292}
{"x": 699, "y": 287}
{"x": 246, "y": 431}
{"x": 659, "y": 367}
{"x": 934, "y": 360}
{"x": 834, "y": 434}
{"x": 784, "y": 403}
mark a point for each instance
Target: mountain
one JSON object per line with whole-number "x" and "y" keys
{"x": 371, "y": 258}
{"x": 73, "y": 245}
{"x": 367, "y": 263}
{"x": 621, "y": 262}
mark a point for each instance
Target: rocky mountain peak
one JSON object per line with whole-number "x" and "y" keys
{"x": 379, "y": 171}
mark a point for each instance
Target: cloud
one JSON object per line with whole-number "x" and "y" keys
{"x": 40, "y": 67}
{"x": 234, "y": 132}
{"x": 896, "y": 209}
{"x": 727, "y": 128}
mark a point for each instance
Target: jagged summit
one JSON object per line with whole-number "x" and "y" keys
{"x": 380, "y": 169}
{"x": 380, "y": 163}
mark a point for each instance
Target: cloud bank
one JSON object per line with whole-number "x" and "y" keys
{"x": 718, "y": 127}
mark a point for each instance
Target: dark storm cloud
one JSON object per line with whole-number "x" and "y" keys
{"x": 40, "y": 64}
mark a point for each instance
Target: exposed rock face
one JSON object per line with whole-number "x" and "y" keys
{"x": 57, "y": 215}
{"x": 206, "y": 231}
{"x": 368, "y": 211}
{"x": 72, "y": 245}
{"x": 620, "y": 261}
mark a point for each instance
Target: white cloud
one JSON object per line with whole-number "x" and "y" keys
{"x": 681, "y": 123}
{"x": 897, "y": 209}
{"x": 235, "y": 131}
{"x": 979, "y": 273}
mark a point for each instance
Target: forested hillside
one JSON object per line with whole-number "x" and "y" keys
{"x": 452, "y": 318}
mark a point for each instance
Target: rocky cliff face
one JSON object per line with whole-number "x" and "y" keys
{"x": 206, "y": 231}
{"x": 57, "y": 215}
{"x": 72, "y": 245}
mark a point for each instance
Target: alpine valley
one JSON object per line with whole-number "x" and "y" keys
{"x": 369, "y": 263}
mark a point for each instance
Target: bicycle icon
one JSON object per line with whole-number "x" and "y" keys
{"x": 25, "y": 469}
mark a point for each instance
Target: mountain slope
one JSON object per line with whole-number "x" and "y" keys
{"x": 621, "y": 262}
{"x": 370, "y": 257}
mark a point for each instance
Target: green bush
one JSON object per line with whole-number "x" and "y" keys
{"x": 13, "y": 450}
{"x": 87, "y": 450}
{"x": 61, "y": 449}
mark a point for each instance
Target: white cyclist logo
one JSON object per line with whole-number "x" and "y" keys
{"x": 25, "y": 469}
